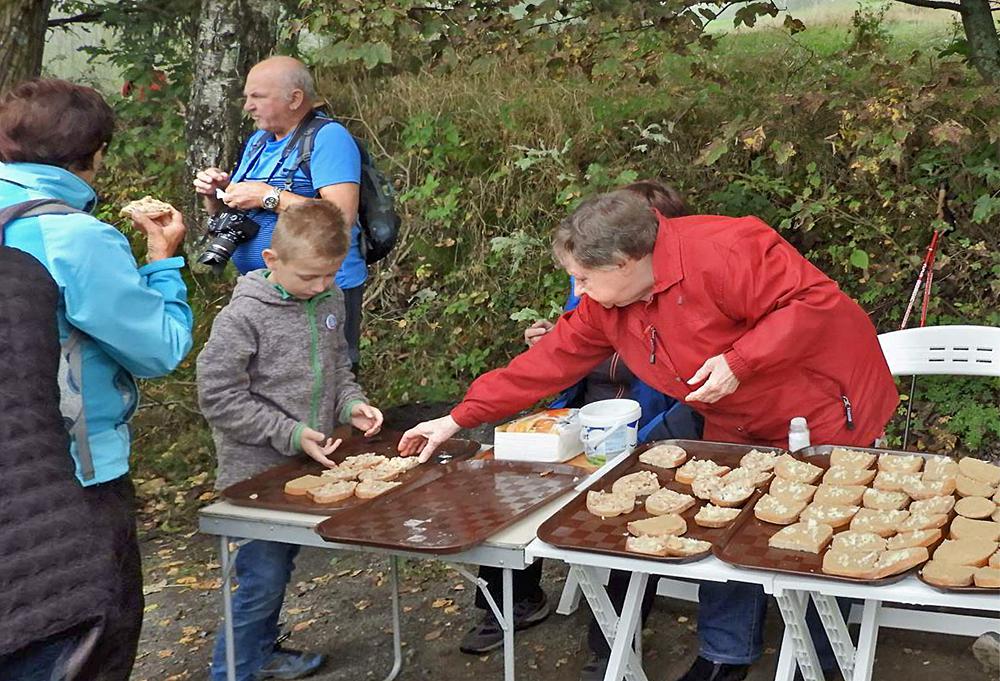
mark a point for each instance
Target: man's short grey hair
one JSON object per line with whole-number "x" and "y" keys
{"x": 606, "y": 230}
{"x": 299, "y": 78}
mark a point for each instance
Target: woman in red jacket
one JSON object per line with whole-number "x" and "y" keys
{"x": 720, "y": 312}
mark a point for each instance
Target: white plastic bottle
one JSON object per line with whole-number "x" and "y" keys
{"x": 798, "y": 434}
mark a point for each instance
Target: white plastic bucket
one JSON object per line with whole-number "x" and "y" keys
{"x": 609, "y": 428}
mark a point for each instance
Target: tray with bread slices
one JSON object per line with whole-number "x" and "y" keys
{"x": 452, "y": 508}
{"x": 670, "y": 500}
{"x": 366, "y": 468}
{"x": 863, "y": 514}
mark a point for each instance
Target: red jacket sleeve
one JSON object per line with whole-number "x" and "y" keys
{"x": 783, "y": 298}
{"x": 561, "y": 358}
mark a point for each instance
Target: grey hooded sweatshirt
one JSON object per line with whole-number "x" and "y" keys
{"x": 273, "y": 365}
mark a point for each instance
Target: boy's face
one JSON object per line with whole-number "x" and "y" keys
{"x": 303, "y": 277}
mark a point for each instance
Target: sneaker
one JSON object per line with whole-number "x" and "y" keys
{"x": 487, "y": 635}
{"x": 595, "y": 668}
{"x": 987, "y": 650}
{"x": 289, "y": 664}
{"x": 706, "y": 670}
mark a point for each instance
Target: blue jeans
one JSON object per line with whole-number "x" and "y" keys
{"x": 263, "y": 569}
{"x": 731, "y": 624}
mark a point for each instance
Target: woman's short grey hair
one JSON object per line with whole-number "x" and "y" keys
{"x": 606, "y": 230}
{"x": 299, "y": 78}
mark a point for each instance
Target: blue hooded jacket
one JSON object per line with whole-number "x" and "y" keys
{"x": 134, "y": 321}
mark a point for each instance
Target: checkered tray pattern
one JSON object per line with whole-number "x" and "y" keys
{"x": 267, "y": 490}
{"x": 574, "y": 527}
{"x": 452, "y": 508}
{"x": 746, "y": 542}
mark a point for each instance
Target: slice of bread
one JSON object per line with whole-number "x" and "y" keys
{"x": 381, "y": 472}
{"x": 369, "y": 489}
{"x": 851, "y": 458}
{"x": 747, "y": 476}
{"x": 940, "y": 468}
{"x": 900, "y": 463}
{"x": 839, "y": 495}
{"x": 965, "y": 552}
{"x": 996, "y": 497}
{"x": 927, "y": 489}
{"x": 905, "y": 540}
{"x": 401, "y": 463}
{"x": 982, "y": 471}
{"x": 987, "y": 578}
{"x": 966, "y": 528}
{"x": 884, "y": 500}
{"x": 340, "y": 473}
{"x": 685, "y": 546}
{"x": 947, "y": 574}
{"x": 791, "y": 490}
{"x": 996, "y": 515}
{"x": 994, "y": 560}
{"x": 651, "y": 546}
{"x": 896, "y": 561}
{"x": 664, "y": 501}
{"x": 704, "y": 486}
{"x": 658, "y": 526}
{"x": 933, "y": 505}
{"x": 638, "y": 484}
{"x": 332, "y": 492}
{"x": 664, "y": 456}
{"x": 778, "y": 511}
{"x": 759, "y": 460}
{"x": 732, "y": 495}
{"x": 858, "y": 541}
{"x": 970, "y": 487}
{"x": 840, "y": 475}
{"x": 856, "y": 564}
{"x": 976, "y": 508}
{"x": 882, "y": 523}
{"x": 301, "y": 485}
{"x": 894, "y": 481}
{"x": 834, "y": 516}
{"x": 797, "y": 471}
{"x": 609, "y": 504}
{"x": 923, "y": 521}
{"x": 808, "y": 537}
{"x": 715, "y": 516}
{"x": 696, "y": 468}
{"x": 366, "y": 460}
{"x": 147, "y": 205}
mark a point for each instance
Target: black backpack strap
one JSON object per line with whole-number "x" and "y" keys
{"x": 32, "y": 208}
{"x": 306, "y": 143}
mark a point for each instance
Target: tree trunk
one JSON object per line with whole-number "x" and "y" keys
{"x": 22, "y": 39}
{"x": 233, "y": 35}
{"x": 981, "y": 33}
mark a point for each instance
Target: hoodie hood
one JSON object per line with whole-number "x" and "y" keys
{"x": 51, "y": 182}
{"x": 257, "y": 286}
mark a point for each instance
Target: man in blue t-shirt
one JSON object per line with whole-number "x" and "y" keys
{"x": 280, "y": 95}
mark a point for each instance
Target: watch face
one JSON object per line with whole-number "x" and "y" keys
{"x": 270, "y": 201}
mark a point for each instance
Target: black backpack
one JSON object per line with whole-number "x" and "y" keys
{"x": 376, "y": 207}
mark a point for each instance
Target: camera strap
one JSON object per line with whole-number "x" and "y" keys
{"x": 258, "y": 150}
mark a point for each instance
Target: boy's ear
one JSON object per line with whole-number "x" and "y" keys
{"x": 270, "y": 257}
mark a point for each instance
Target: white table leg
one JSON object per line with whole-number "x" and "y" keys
{"x": 226, "y": 559}
{"x": 864, "y": 660}
{"x": 836, "y": 630}
{"x": 786, "y": 658}
{"x": 569, "y": 601}
{"x": 592, "y": 585}
{"x": 623, "y": 658}
{"x": 793, "y": 611}
{"x": 397, "y": 639}
{"x": 508, "y": 621}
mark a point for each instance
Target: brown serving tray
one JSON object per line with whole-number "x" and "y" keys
{"x": 267, "y": 490}
{"x": 746, "y": 542}
{"x": 452, "y": 507}
{"x": 574, "y": 527}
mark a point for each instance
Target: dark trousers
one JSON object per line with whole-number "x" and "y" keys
{"x": 527, "y": 585}
{"x": 617, "y": 588}
{"x": 353, "y": 298}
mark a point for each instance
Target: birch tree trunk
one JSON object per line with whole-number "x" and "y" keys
{"x": 981, "y": 32}
{"x": 233, "y": 35}
{"x": 22, "y": 39}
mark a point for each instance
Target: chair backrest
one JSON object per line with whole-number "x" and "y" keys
{"x": 943, "y": 350}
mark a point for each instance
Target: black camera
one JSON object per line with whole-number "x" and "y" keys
{"x": 227, "y": 230}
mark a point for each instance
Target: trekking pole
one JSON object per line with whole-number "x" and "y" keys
{"x": 926, "y": 270}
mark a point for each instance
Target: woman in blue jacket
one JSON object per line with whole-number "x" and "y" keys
{"x": 116, "y": 320}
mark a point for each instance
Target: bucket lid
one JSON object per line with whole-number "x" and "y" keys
{"x": 610, "y": 412}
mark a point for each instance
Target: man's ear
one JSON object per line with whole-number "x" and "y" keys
{"x": 270, "y": 257}
{"x": 296, "y": 100}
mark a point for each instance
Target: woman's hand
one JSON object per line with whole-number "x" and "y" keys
{"x": 719, "y": 381}
{"x": 534, "y": 333}
{"x": 366, "y": 418}
{"x": 426, "y": 437}
{"x": 319, "y": 447}
{"x": 164, "y": 233}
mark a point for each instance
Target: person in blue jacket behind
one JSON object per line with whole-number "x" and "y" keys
{"x": 117, "y": 320}
{"x": 662, "y": 418}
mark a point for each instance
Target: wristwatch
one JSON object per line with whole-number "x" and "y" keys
{"x": 270, "y": 200}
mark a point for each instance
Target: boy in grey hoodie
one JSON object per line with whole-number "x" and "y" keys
{"x": 273, "y": 378}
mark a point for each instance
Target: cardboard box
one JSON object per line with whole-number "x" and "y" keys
{"x": 550, "y": 436}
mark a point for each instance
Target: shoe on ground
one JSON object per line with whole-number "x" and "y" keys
{"x": 487, "y": 635}
{"x": 986, "y": 649}
{"x": 706, "y": 670}
{"x": 594, "y": 669}
{"x": 285, "y": 663}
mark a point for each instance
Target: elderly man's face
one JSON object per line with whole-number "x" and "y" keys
{"x": 267, "y": 101}
{"x": 613, "y": 286}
